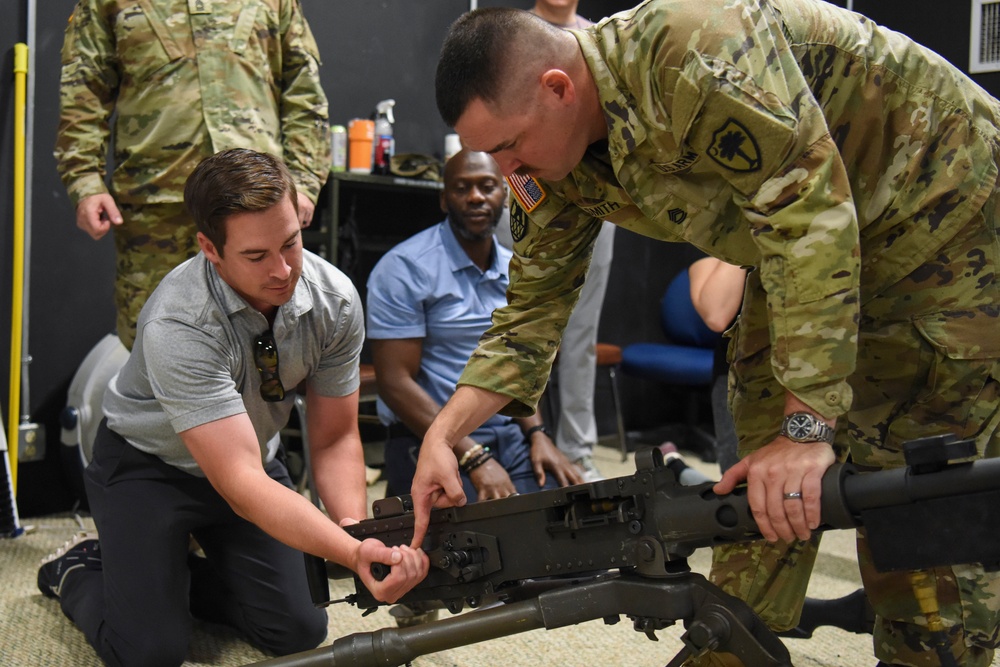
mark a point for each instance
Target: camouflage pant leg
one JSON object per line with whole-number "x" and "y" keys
{"x": 152, "y": 240}
{"x": 927, "y": 364}
{"x": 933, "y": 371}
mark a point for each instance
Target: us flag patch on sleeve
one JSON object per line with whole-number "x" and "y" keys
{"x": 528, "y": 191}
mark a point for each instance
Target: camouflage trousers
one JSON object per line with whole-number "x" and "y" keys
{"x": 152, "y": 240}
{"x": 927, "y": 363}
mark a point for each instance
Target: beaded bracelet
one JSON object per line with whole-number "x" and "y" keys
{"x": 471, "y": 463}
{"x": 470, "y": 453}
{"x": 473, "y": 456}
{"x": 476, "y": 462}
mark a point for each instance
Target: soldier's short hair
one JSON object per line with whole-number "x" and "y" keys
{"x": 479, "y": 57}
{"x": 238, "y": 180}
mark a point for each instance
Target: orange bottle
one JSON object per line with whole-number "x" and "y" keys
{"x": 360, "y": 135}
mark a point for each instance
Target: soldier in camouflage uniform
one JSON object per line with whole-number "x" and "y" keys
{"x": 187, "y": 79}
{"x": 853, "y": 170}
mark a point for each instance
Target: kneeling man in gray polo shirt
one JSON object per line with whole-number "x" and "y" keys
{"x": 191, "y": 432}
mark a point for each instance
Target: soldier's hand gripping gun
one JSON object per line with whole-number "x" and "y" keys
{"x": 619, "y": 546}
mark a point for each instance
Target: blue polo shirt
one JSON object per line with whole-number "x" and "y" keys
{"x": 427, "y": 287}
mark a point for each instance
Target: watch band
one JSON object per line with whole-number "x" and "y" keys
{"x": 535, "y": 429}
{"x": 806, "y": 427}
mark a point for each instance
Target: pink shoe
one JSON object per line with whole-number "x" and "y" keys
{"x": 669, "y": 451}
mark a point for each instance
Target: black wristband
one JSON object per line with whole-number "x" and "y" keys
{"x": 535, "y": 429}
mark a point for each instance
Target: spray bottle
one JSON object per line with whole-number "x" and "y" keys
{"x": 384, "y": 145}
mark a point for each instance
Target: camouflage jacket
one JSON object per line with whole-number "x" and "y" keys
{"x": 790, "y": 135}
{"x": 187, "y": 78}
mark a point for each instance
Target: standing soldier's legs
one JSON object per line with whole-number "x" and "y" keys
{"x": 928, "y": 365}
{"x": 152, "y": 240}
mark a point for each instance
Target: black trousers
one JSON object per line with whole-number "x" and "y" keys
{"x": 138, "y": 609}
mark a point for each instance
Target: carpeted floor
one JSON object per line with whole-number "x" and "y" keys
{"x": 34, "y": 632}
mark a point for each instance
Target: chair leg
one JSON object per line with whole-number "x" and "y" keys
{"x": 620, "y": 422}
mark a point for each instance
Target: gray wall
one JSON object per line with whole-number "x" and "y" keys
{"x": 378, "y": 49}
{"x": 371, "y": 49}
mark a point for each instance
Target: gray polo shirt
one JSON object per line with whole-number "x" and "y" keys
{"x": 192, "y": 362}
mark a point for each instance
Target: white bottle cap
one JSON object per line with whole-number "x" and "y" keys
{"x": 452, "y": 145}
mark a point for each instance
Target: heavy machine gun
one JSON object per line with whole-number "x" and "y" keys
{"x": 620, "y": 546}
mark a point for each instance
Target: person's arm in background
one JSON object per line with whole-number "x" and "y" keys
{"x": 88, "y": 89}
{"x": 397, "y": 364}
{"x": 716, "y": 291}
{"x": 304, "y": 114}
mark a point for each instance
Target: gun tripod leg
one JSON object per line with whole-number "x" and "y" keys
{"x": 398, "y": 646}
{"x": 713, "y": 618}
{"x": 724, "y": 623}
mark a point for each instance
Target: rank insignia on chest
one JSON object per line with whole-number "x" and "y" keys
{"x": 528, "y": 191}
{"x": 734, "y": 147}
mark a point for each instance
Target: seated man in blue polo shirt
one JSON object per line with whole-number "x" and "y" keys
{"x": 429, "y": 300}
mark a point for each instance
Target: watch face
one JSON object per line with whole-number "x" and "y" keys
{"x": 800, "y": 427}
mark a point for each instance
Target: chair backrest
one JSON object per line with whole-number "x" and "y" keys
{"x": 681, "y": 322}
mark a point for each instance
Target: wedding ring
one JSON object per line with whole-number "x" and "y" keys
{"x": 794, "y": 495}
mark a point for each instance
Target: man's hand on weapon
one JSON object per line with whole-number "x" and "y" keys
{"x": 436, "y": 483}
{"x": 783, "y": 486}
{"x": 784, "y": 481}
{"x": 406, "y": 568}
{"x": 613, "y": 541}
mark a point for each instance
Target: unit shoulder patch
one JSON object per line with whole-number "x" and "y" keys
{"x": 735, "y": 148}
{"x": 518, "y": 221}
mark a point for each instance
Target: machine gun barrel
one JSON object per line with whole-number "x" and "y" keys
{"x": 901, "y": 486}
{"x": 850, "y": 499}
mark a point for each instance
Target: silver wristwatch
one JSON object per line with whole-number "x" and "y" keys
{"x": 804, "y": 427}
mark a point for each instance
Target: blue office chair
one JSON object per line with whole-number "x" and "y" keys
{"x": 685, "y": 362}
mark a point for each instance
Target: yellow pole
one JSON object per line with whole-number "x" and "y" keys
{"x": 17, "y": 300}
